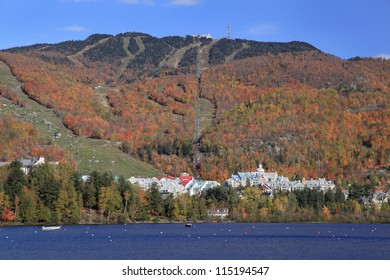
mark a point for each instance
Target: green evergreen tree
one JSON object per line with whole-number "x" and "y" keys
{"x": 292, "y": 203}
{"x": 43, "y": 213}
{"x": 169, "y": 204}
{"x": 202, "y": 208}
{"x": 156, "y": 202}
{"x": 45, "y": 184}
{"x": 28, "y": 205}
{"x": 194, "y": 213}
{"x": 89, "y": 195}
{"x": 175, "y": 211}
{"x": 123, "y": 185}
{"x": 339, "y": 196}
{"x": 233, "y": 204}
{"x": 77, "y": 182}
{"x": 329, "y": 199}
{"x": 15, "y": 180}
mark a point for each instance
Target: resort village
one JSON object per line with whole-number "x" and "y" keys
{"x": 268, "y": 182}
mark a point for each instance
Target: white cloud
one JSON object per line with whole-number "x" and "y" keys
{"x": 383, "y": 55}
{"x": 184, "y": 2}
{"x": 262, "y": 29}
{"x": 74, "y": 28}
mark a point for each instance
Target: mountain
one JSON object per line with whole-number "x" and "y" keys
{"x": 287, "y": 105}
{"x": 142, "y": 52}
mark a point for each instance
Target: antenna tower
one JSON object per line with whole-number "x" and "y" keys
{"x": 228, "y": 32}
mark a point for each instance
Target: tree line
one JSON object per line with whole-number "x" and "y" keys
{"x": 58, "y": 194}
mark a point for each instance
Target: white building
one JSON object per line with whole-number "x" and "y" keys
{"x": 171, "y": 187}
{"x": 207, "y": 36}
{"x": 320, "y": 184}
{"x": 185, "y": 184}
{"x": 29, "y": 164}
{"x": 256, "y": 178}
{"x": 271, "y": 181}
{"x": 218, "y": 213}
{"x": 166, "y": 185}
{"x": 197, "y": 186}
{"x": 144, "y": 183}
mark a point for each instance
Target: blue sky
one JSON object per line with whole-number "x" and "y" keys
{"x": 345, "y": 28}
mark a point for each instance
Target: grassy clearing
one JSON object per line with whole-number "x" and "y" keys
{"x": 206, "y": 113}
{"x": 90, "y": 154}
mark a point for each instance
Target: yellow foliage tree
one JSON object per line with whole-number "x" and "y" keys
{"x": 263, "y": 212}
{"x": 326, "y": 213}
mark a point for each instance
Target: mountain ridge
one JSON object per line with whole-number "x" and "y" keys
{"x": 114, "y": 49}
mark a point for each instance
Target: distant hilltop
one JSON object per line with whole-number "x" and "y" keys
{"x": 140, "y": 51}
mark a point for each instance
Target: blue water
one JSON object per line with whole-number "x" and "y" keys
{"x": 214, "y": 241}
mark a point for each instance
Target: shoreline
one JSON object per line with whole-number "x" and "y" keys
{"x": 192, "y": 222}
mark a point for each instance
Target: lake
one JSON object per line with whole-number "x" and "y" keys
{"x": 204, "y": 241}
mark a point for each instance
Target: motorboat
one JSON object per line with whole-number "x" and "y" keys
{"x": 45, "y": 228}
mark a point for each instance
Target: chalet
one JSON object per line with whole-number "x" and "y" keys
{"x": 270, "y": 181}
{"x": 185, "y": 184}
{"x": 256, "y": 178}
{"x": 379, "y": 198}
{"x": 185, "y": 179}
{"x": 365, "y": 201}
{"x": 234, "y": 182}
{"x": 345, "y": 193}
{"x": 173, "y": 187}
{"x": 264, "y": 188}
{"x": 320, "y": 184}
{"x": 197, "y": 186}
{"x": 285, "y": 185}
{"x": 29, "y": 164}
{"x": 298, "y": 186}
{"x": 166, "y": 178}
{"x": 218, "y": 213}
{"x": 144, "y": 183}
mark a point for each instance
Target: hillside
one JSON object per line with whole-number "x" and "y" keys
{"x": 287, "y": 105}
{"x": 28, "y": 130}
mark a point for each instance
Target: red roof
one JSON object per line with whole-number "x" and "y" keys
{"x": 185, "y": 177}
{"x": 170, "y": 177}
{"x": 184, "y": 180}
